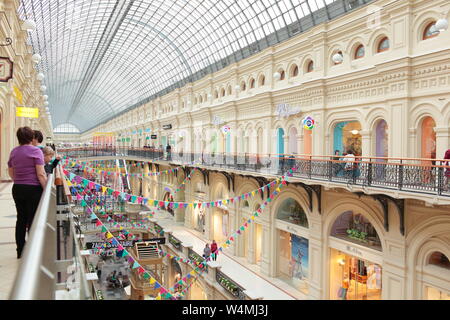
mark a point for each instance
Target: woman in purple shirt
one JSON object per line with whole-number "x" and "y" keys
{"x": 26, "y": 168}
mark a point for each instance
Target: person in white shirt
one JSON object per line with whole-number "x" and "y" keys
{"x": 349, "y": 162}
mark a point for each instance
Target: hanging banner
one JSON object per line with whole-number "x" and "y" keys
{"x": 25, "y": 112}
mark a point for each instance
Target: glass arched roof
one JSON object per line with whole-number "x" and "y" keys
{"x": 66, "y": 128}
{"x": 101, "y": 57}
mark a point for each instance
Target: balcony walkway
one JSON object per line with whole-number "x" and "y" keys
{"x": 9, "y": 264}
{"x": 258, "y": 285}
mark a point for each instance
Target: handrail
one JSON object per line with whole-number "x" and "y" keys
{"x": 284, "y": 155}
{"x": 34, "y": 277}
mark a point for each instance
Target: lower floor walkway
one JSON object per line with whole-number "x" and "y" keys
{"x": 246, "y": 275}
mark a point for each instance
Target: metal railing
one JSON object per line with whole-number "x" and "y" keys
{"x": 51, "y": 254}
{"x": 427, "y": 176}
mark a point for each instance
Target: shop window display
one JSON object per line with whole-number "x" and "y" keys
{"x": 293, "y": 260}
{"x": 357, "y": 229}
{"x": 291, "y": 211}
{"x": 354, "y": 278}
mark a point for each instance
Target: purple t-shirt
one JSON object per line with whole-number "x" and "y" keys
{"x": 24, "y": 160}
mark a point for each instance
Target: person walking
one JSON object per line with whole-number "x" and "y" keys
{"x": 214, "y": 250}
{"x": 26, "y": 169}
{"x": 349, "y": 163}
{"x": 206, "y": 252}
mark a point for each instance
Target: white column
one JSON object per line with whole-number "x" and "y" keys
{"x": 442, "y": 141}
{"x": 366, "y": 143}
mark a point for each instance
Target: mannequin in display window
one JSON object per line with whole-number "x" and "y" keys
{"x": 345, "y": 285}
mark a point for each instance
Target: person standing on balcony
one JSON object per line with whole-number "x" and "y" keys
{"x": 26, "y": 169}
{"x": 447, "y": 171}
{"x": 214, "y": 250}
{"x": 37, "y": 139}
{"x": 349, "y": 163}
{"x": 169, "y": 152}
{"x": 206, "y": 251}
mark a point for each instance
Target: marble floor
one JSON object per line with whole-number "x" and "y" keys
{"x": 9, "y": 263}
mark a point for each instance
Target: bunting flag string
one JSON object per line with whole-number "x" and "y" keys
{"x": 165, "y": 293}
{"x": 75, "y": 179}
{"x": 178, "y": 189}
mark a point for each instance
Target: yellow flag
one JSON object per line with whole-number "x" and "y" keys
{"x": 109, "y": 235}
{"x": 103, "y": 189}
{"x": 191, "y": 205}
{"x": 253, "y": 193}
{"x": 152, "y": 280}
{"x": 158, "y": 297}
{"x": 252, "y": 217}
{"x": 278, "y": 189}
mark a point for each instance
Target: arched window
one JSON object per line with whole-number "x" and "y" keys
{"x": 282, "y": 75}
{"x": 439, "y": 259}
{"x": 243, "y": 86}
{"x": 430, "y": 31}
{"x": 310, "y": 66}
{"x": 195, "y": 100}
{"x": 252, "y": 83}
{"x": 354, "y": 227}
{"x": 222, "y": 92}
{"x": 229, "y": 90}
{"x": 216, "y": 94}
{"x": 262, "y": 80}
{"x": 383, "y": 45}
{"x": 245, "y": 204}
{"x": 201, "y": 99}
{"x": 291, "y": 211}
{"x": 360, "y": 52}
{"x": 294, "y": 70}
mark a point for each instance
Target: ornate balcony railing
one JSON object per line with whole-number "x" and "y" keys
{"x": 230, "y": 285}
{"x": 427, "y": 176}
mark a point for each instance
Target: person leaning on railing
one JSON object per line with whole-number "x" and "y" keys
{"x": 26, "y": 169}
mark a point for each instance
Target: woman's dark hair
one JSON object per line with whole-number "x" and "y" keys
{"x": 25, "y": 135}
{"x": 38, "y": 136}
{"x": 336, "y": 151}
{"x": 349, "y": 151}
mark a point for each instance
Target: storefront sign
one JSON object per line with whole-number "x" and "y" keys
{"x": 25, "y": 112}
{"x": 167, "y": 126}
{"x": 356, "y": 250}
{"x": 157, "y": 240}
{"x": 285, "y": 226}
{"x": 6, "y": 69}
{"x": 283, "y": 110}
{"x": 154, "y": 136}
{"x": 100, "y": 244}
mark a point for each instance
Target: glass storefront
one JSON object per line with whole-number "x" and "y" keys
{"x": 293, "y": 260}
{"x": 436, "y": 294}
{"x": 353, "y": 278}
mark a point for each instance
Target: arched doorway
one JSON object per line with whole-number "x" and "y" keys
{"x": 347, "y": 136}
{"x": 438, "y": 267}
{"x": 355, "y": 265}
{"x": 293, "y": 246}
{"x": 176, "y": 274}
{"x": 381, "y": 139}
{"x": 293, "y": 141}
{"x": 428, "y": 138}
{"x": 280, "y": 141}
{"x": 258, "y": 239}
{"x": 307, "y": 141}
{"x": 169, "y": 197}
{"x": 221, "y": 219}
{"x": 381, "y": 148}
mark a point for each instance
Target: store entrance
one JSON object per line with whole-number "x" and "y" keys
{"x": 354, "y": 278}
